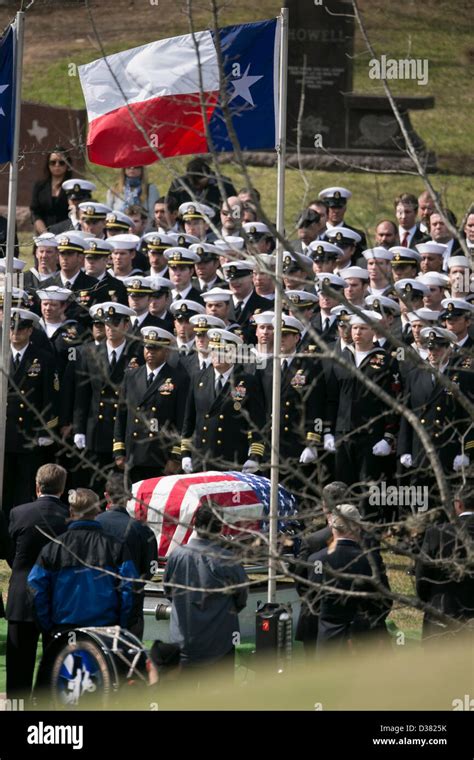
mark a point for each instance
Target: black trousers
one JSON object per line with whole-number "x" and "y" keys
{"x": 19, "y": 478}
{"x": 22, "y": 643}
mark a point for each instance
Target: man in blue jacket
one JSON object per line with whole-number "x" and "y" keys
{"x": 86, "y": 577}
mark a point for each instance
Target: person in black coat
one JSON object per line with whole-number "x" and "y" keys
{"x": 5, "y": 552}
{"x": 3, "y": 238}
{"x": 139, "y": 538}
{"x": 31, "y": 526}
{"x": 202, "y": 182}
{"x": 444, "y": 572}
{"x": 49, "y": 201}
{"x": 148, "y": 426}
{"x": 343, "y": 617}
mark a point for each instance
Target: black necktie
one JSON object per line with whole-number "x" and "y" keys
{"x": 68, "y": 285}
{"x": 219, "y": 385}
{"x": 327, "y": 322}
{"x": 178, "y": 297}
{"x": 238, "y": 309}
{"x": 113, "y": 360}
{"x": 151, "y": 377}
{"x": 17, "y": 361}
{"x": 203, "y": 366}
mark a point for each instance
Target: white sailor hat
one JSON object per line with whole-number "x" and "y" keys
{"x": 54, "y": 293}
{"x": 160, "y": 284}
{"x": 342, "y": 236}
{"x": 18, "y": 316}
{"x": 18, "y": 265}
{"x": 342, "y": 312}
{"x": 264, "y": 318}
{"x": 218, "y": 337}
{"x": 408, "y": 287}
{"x": 205, "y": 251}
{"x": 382, "y": 304}
{"x": 204, "y": 322}
{"x": 46, "y": 240}
{"x": 137, "y": 285}
{"x": 98, "y": 247}
{"x": 235, "y": 269}
{"x": 157, "y": 337}
{"x": 431, "y": 247}
{"x": 423, "y": 315}
{"x": 264, "y": 262}
{"x": 110, "y": 309}
{"x": 459, "y": 261}
{"x": 456, "y": 307}
{"x": 435, "y": 335}
{"x": 365, "y": 318}
{"x": 329, "y": 280}
{"x": 117, "y": 220}
{"x": 323, "y": 249}
{"x": 256, "y": 230}
{"x": 70, "y": 241}
{"x": 93, "y": 211}
{"x": 357, "y": 272}
{"x": 182, "y": 239}
{"x": 230, "y": 242}
{"x": 377, "y": 253}
{"x": 18, "y": 294}
{"x": 78, "y": 188}
{"x": 181, "y": 257}
{"x": 403, "y": 256}
{"x": 434, "y": 278}
{"x": 124, "y": 242}
{"x": 156, "y": 241}
{"x": 335, "y": 196}
{"x": 301, "y": 299}
{"x": 191, "y": 210}
{"x": 292, "y": 263}
{"x": 290, "y": 324}
{"x": 216, "y": 295}
{"x": 185, "y": 308}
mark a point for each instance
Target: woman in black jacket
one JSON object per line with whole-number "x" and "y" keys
{"x": 49, "y": 201}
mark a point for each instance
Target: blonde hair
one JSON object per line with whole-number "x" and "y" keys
{"x": 119, "y": 187}
{"x": 83, "y": 501}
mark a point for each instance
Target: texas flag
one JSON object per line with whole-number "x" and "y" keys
{"x": 149, "y": 102}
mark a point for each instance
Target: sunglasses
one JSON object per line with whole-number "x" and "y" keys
{"x": 59, "y": 162}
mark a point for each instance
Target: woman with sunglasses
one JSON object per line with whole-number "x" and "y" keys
{"x": 133, "y": 189}
{"x": 49, "y": 201}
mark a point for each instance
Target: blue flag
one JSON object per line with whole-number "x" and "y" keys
{"x": 7, "y": 96}
{"x": 250, "y": 57}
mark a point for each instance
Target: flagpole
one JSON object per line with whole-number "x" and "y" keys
{"x": 276, "y": 390}
{"x": 18, "y": 31}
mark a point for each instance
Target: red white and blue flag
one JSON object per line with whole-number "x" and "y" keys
{"x": 168, "y": 504}
{"x": 159, "y": 86}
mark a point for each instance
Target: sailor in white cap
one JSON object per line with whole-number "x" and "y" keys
{"x": 457, "y": 313}
{"x": 330, "y": 289}
{"x": 160, "y": 302}
{"x": 443, "y": 418}
{"x": 325, "y": 256}
{"x": 194, "y": 219}
{"x": 46, "y": 258}
{"x": 264, "y": 275}
{"x": 97, "y": 399}
{"x": 231, "y": 247}
{"x": 437, "y": 284}
{"x": 378, "y": 266}
{"x": 297, "y": 270}
{"x": 259, "y": 237}
{"x": 302, "y": 305}
{"x": 154, "y": 245}
{"x": 92, "y": 216}
{"x": 218, "y": 303}
{"x": 264, "y": 332}
{"x": 117, "y": 223}
{"x": 181, "y": 263}
{"x": 239, "y": 275}
{"x": 431, "y": 256}
{"x": 150, "y": 416}
{"x": 225, "y": 412}
{"x": 71, "y": 248}
{"x": 124, "y": 248}
{"x": 356, "y": 279}
{"x": 389, "y": 310}
{"x": 336, "y": 198}
{"x": 199, "y": 359}
{"x": 62, "y": 332}
{"x": 347, "y": 240}
{"x": 405, "y": 262}
{"x": 419, "y": 319}
{"x": 343, "y": 321}
{"x": 460, "y": 276}
{"x": 207, "y": 266}
{"x": 182, "y": 312}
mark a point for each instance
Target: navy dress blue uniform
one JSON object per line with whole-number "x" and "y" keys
{"x": 220, "y": 430}
{"x": 29, "y": 528}
{"x": 148, "y": 425}
{"x": 32, "y": 412}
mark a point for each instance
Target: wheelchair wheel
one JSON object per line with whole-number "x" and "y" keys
{"x": 82, "y": 676}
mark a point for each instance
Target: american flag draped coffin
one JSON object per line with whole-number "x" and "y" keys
{"x": 168, "y": 504}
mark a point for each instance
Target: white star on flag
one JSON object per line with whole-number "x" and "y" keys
{"x": 242, "y": 87}
{"x": 3, "y": 87}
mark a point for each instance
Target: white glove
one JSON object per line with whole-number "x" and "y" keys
{"x": 382, "y": 448}
{"x": 309, "y": 455}
{"x": 406, "y": 460}
{"x": 80, "y": 441}
{"x": 45, "y": 441}
{"x": 250, "y": 466}
{"x": 460, "y": 461}
{"x": 329, "y": 443}
{"x": 187, "y": 465}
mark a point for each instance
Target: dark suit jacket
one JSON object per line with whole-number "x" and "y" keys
{"x": 44, "y": 206}
{"x": 442, "y": 586}
{"x": 47, "y": 514}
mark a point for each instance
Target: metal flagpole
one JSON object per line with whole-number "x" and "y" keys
{"x": 18, "y": 31}
{"x": 280, "y": 224}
